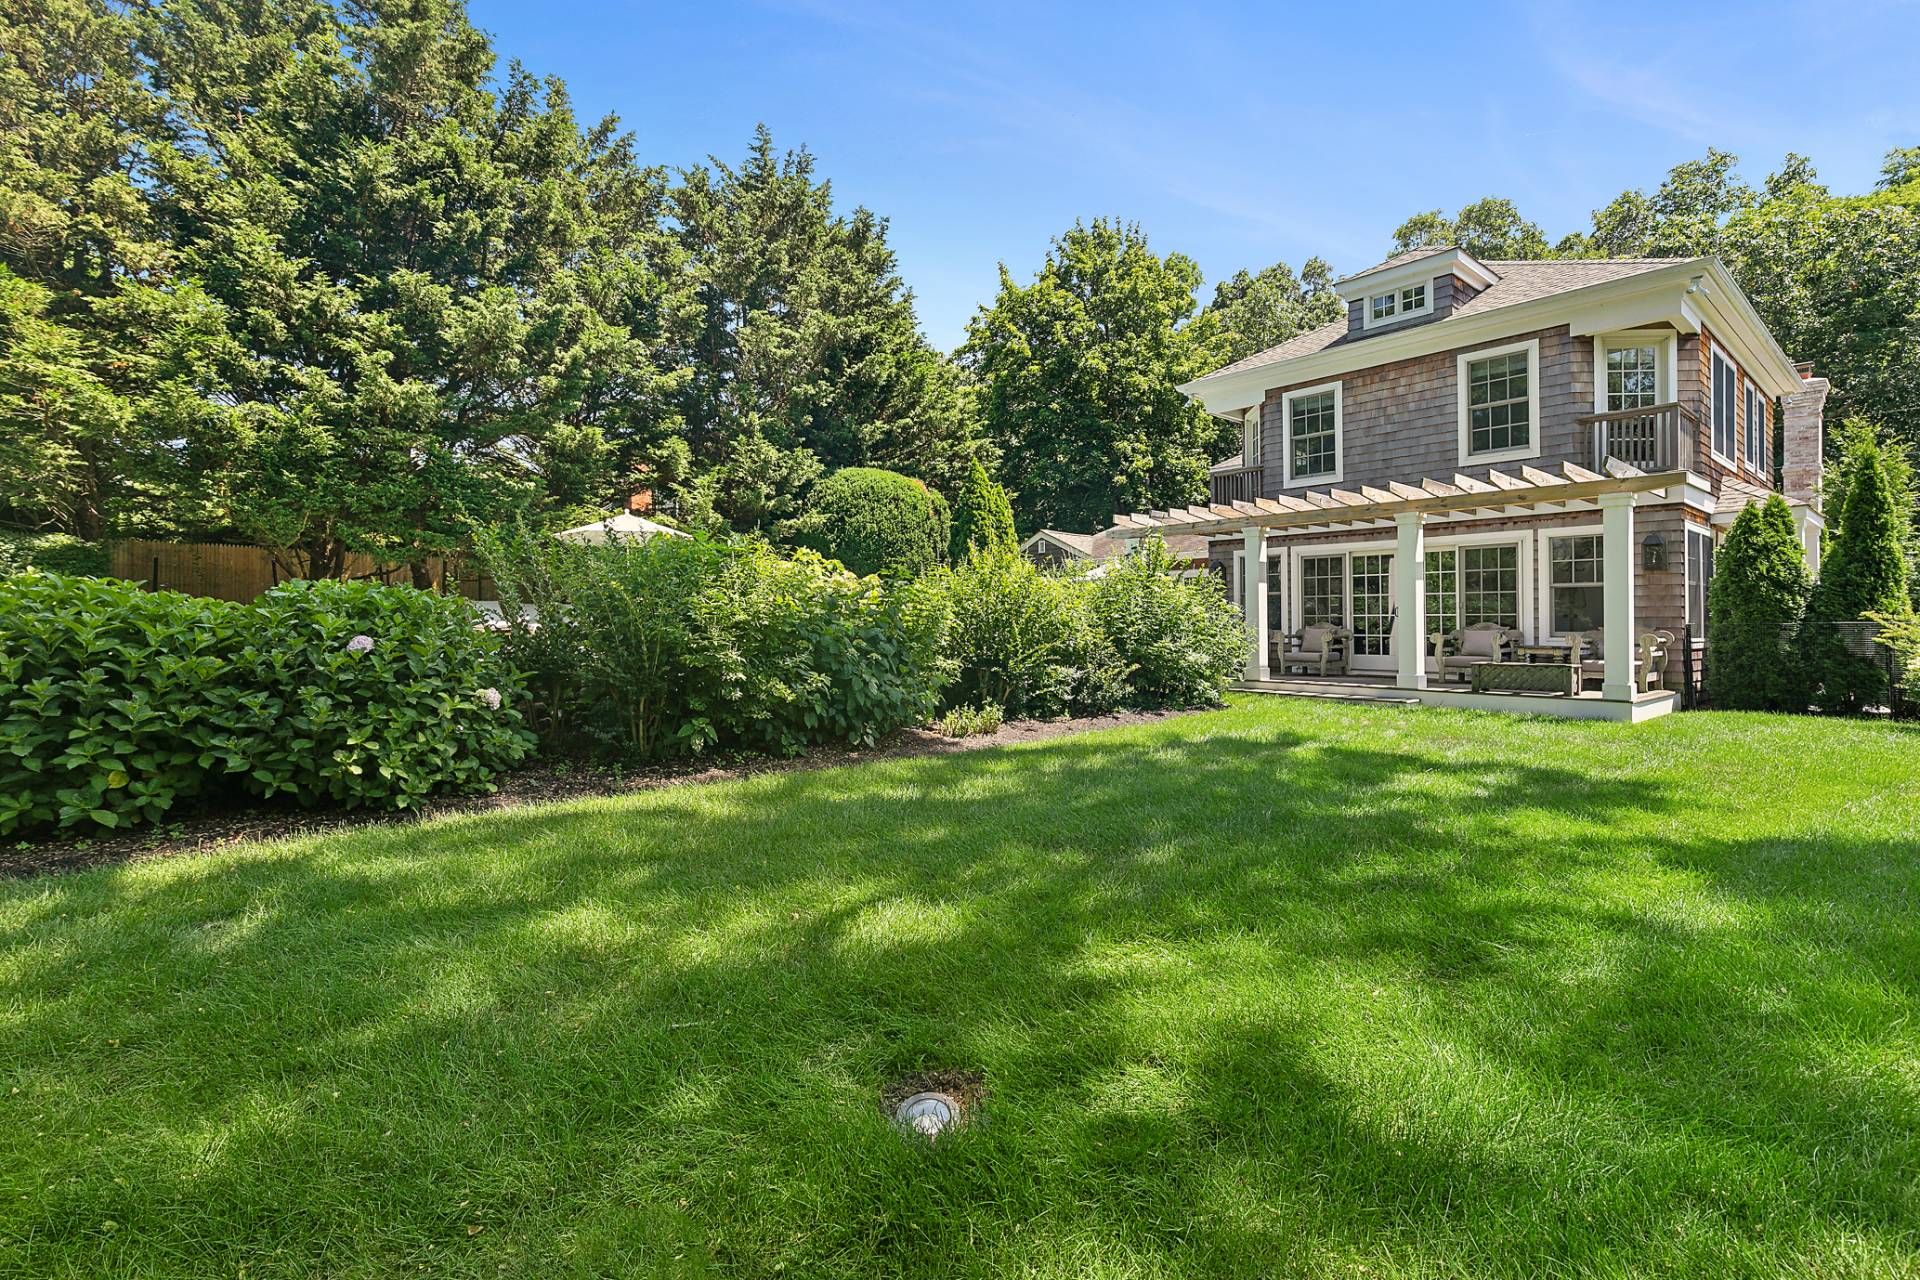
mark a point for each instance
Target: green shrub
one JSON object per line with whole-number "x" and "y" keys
{"x": 1864, "y": 572}
{"x": 1026, "y": 640}
{"x": 982, "y": 516}
{"x": 1180, "y": 639}
{"x": 104, "y": 714}
{"x": 117, "y": 705}
{"x": 875, "y": 521}
{"x": 669, "y": 647}
{"x": 1755, "y": 606}
{"x": 364, "y": 694}
{"x": 51, "y": 553}
{"x": 966, "y": 722}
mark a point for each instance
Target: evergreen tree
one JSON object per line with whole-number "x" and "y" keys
{"x": 1078, "y": 380}
{"x": 1755, "y": 605}
{"x": 1865, "y": 571}
{"x": 803, "y": 338}
{"x": 982, "y": 516}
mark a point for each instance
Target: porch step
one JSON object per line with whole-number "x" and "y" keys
{"x": 1329, "y": 691}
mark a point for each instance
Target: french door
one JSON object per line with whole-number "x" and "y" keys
{"x": 1354, "y": 591}
{"x": 1370, "y": 579}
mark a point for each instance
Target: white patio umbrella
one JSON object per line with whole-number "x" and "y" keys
{"x": 624, "y": 525}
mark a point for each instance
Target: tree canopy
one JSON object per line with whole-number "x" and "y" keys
{"x": 1264, "y": 309}
{"x": 1078, "y": 377}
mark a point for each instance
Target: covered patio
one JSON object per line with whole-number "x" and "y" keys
{"x": 1410, "y": 511}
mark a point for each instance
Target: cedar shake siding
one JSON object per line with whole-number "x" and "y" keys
{"x": 1401, "y": 421}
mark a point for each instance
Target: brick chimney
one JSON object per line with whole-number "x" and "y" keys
{"x": 641, "y": 500}
{"x": 1803, "y": 438}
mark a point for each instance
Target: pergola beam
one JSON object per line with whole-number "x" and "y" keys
{"x": 1509, "y": 494}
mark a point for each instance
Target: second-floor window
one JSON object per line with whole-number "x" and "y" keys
{"x": 1500, "y": 403}
{"x": 1312, "y": 417}
{"x": 1633, "y": 377}
{"x": 1756, "y": 429}
{"x": 1725, "y": 393}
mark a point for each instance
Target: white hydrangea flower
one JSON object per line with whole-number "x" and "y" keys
{"x": 360, "y": 644}
{"x": 491, "y": 697}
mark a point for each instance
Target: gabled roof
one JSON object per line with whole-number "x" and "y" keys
{"x": 1521, "y": 280}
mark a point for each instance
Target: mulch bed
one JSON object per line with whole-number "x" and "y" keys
{"x": 220, "y": 828}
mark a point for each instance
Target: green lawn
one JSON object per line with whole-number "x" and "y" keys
{"x": 1288, "y": 989}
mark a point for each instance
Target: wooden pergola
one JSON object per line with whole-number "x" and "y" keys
{"x": 1408, "y": 507}
{"x": 1530, "y": 489}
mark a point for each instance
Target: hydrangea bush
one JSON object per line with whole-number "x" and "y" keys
{"x": 117, "y": 705}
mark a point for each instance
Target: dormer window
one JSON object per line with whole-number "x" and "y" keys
{"x": 1398, "y": 304}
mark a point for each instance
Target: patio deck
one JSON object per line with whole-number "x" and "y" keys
{"x": 1385, "y": 690}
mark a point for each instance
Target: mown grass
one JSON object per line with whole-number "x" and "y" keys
{"x": 1288, "y": 989}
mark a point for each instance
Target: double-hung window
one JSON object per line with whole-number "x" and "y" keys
{"x": 1500, "y": 403}
{"x": 1576, "y": 576}
{"x": 1473, "y": 584}
{"x": 1756, "y": 407}
{"x": 1726, "y": 391}
{"x": 1312, "y": 418}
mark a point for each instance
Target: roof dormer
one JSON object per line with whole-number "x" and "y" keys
{"x": 1411, "y": 287}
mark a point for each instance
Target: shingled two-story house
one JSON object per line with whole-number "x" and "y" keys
{"x": 1554, "y": 447}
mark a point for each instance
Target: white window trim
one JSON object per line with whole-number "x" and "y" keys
{"x": 1534, "y": 426}
{"x": 1714, "y": 360}
{"x": 1525, "y": 539}
{"x": 1666, "y": 340}
{"x": 1339, "y": 436}
{"x": 1400, "y": 313}
{"x": 1752, "y": 398}
{"x": 1545, "y": 561}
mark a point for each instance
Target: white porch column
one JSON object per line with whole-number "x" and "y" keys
{"x": 1616, "y": 516}
{"x": 1410, "y": 598}
{"x": 1253, "y": 594}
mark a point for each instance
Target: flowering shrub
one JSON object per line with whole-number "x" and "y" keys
{"x": 324, "y": 710}
{"x": 1180, "y": 639}
{"x": 117, "y": 705}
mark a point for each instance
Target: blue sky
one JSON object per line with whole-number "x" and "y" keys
{"x": 1240, "y": 135}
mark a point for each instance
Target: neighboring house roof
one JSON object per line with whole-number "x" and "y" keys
{"x": 1098, "y": 546}
{"x": 1521, "y": 280}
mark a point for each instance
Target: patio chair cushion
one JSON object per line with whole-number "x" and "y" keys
{"x": 1314, "y": 639}
{"x": 1481, "y": 644}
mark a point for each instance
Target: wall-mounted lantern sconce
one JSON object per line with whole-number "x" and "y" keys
{"x": 1653, "y": 552}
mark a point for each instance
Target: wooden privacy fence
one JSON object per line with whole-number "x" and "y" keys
{"x": 234, "y": 571}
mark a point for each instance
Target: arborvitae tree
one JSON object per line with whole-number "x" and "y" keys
{"x": 1754, "y": 610}
{"x": 1865, "y": 572}
{"x": 982, "y": 516}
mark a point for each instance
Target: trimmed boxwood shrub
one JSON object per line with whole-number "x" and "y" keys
{"x": 51, "y": 553}
{"x": 1754, "y": 609}
{"x": 875, "y": 521}
{"x": 117, "y": 705}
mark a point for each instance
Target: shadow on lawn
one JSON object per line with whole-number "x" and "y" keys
{"x": 1244, "y": 1000}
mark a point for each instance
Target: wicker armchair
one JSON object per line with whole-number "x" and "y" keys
{"x": 1320, "y": 651}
